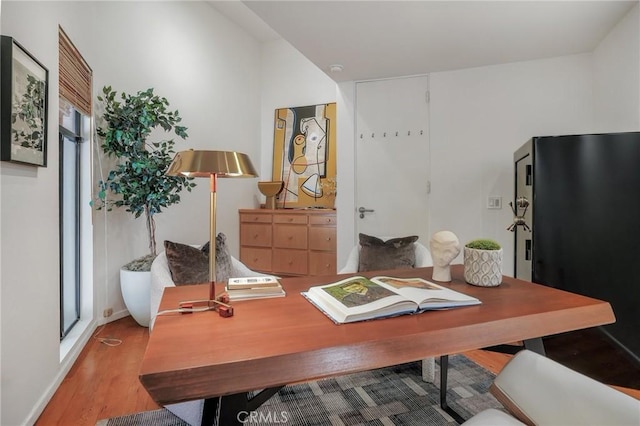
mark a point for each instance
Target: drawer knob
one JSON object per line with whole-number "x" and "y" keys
{"x": 290, "y": 237}
{"x": 328, "y": 238}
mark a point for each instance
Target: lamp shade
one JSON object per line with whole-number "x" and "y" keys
{"x": 199, "y": 163}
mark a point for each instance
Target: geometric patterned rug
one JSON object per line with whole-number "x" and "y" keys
{"x": 388, "y": 396}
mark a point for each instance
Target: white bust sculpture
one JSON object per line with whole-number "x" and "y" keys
{"x": 445, "y": 247}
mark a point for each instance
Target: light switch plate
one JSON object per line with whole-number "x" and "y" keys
{"x": 494, "y": 202}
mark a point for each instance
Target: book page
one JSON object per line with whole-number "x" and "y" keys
{"x": 358, "y": 295}
{"x": 425, "y": 293}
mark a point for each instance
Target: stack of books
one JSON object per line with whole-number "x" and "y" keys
{"x": 254, "y": 288}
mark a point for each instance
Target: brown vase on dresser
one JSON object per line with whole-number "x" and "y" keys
{"x": 289, "y": 242}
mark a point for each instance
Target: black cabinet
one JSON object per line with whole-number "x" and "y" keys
{"x": 584, "y": 214}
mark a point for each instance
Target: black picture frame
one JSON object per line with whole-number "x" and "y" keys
{"x": 24, "y": 87}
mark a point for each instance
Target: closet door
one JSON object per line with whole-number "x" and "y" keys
{"x": 392, "y": 157}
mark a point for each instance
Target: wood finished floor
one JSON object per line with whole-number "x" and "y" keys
{"x": 104, "y": 381}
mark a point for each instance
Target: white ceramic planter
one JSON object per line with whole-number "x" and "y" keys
{"x": 483, "y": 267}
{"x": 136, "y": 292}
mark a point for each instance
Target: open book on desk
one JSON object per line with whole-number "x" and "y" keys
{"x": 359, "y": 298}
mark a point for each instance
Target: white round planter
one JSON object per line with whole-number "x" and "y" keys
{"x": 136, "y": 292}
{"x": 483, "y": 267}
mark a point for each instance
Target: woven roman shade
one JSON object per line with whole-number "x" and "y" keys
{"x": 75, "y": 75}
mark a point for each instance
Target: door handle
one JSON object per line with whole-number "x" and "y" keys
{"x": 362, "y": 211}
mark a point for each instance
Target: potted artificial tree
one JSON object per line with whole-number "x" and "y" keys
{"x": 483, "y": 263}
{"x": 138, "y": 181}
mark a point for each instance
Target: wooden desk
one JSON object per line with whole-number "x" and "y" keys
{"x": 273, "y": 342}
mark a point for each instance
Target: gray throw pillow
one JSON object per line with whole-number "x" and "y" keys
{"x": 396, "y": 253}
{"x": 224, "y": 266}
{"x": 190, "y": 265}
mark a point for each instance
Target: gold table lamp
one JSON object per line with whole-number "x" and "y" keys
{"x": 211, "y": 164}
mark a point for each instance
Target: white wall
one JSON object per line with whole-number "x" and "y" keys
{"x": 346, "y": 197}
{"x": 479, "y": 117}
{"x": 288, "y": 80}
{"x": 616, "y": 68}
{"x": 209, "y": 70}
{"x": 1, "y": 257}
{"x": 29, "y": 240}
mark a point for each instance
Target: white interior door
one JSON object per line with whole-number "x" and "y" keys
{"x": 392, "y": 157}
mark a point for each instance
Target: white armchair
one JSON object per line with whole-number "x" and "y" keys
{"x": 539, "y": 391}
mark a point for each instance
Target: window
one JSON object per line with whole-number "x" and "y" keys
{"x": 70, "y": 219}
{"x": 76, "y": 292}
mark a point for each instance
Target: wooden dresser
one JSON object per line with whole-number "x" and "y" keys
{"x": 289, "y": 242}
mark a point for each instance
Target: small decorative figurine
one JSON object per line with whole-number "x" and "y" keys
{"x": 445, "y": 247}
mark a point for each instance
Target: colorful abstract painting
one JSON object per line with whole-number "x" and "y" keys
{"x": 304, "y": 155}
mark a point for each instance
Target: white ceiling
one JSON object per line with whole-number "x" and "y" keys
{"x": 379, "y": 39}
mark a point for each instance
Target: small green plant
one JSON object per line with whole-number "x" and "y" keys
{"x": 483, "y": 244}
{"x": 138, "y": 181}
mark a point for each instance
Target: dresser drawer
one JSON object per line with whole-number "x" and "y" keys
{"x": 258, "y": 259}
{"x": 322, "y": 220}
{"x": 322, "y": 263}
{"x": 255, "y": 235}
{"x": 287, "y": 261}
{"x": 255, "y": 218}
{"x": 299, "y": 219}
{"x": 322, "y": 238}
{"x": 288, "y": 242}
{"x": 290, "y": 236}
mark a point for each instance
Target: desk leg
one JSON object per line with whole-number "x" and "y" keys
{"x": 535, "y": 345}
{"x": 226, "y": 410}
{"x": 444, "y": 369}
{"x": 232, "y": 410}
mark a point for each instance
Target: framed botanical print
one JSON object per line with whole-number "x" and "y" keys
{"x": 304, "y": 155}
{"x": 24, "y": 83}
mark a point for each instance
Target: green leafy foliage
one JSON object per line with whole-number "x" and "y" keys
{"x": 483, "y": 244}
{"x": 138, "y": 181}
